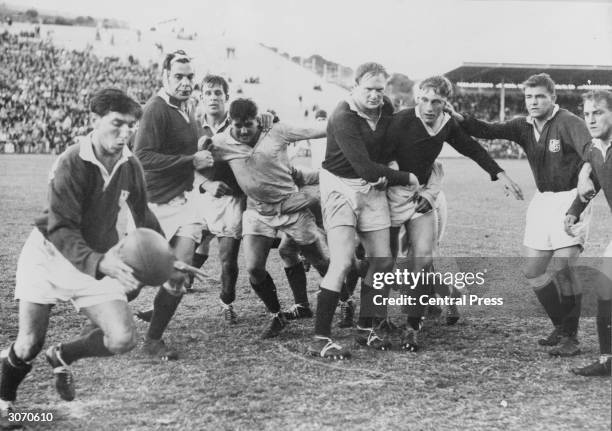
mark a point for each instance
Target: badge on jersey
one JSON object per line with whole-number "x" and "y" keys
{"x": 123, "y": 197}
{"x": 554, "y": 145}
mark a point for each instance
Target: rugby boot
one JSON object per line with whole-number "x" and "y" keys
{"x": 600, "y": 368}
{"x": 568, "y": 346}
{"x": 158, "y": 348}
{"x": 326, "y": 348}
{"x": 298, "y": 311}
{"x": 275, "y": 327}
{"x": 64, "y": 380}
{"x": 553, "y": 338}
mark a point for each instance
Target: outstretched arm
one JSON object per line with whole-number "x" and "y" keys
{"x": 481, "y": 129}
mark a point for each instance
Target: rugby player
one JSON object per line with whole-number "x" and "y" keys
{"x": 417, "y": 136}
{"x": 353, "y": 200}
{"x": 400, "y": 90}
{"x": 598, "y": 115}
{"x": 166, "y": 144}
{"x": 72, "y": 254}
{"x": 554, "y": 141}
{"x": 261, "y": 165}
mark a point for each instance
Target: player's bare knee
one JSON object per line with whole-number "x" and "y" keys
{"x": 256, "y": 272}
{"x": 28, "y": 346}
{"x": 121, "y": 341}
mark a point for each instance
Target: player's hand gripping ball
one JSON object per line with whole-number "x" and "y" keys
{"x": 149, "y": 255}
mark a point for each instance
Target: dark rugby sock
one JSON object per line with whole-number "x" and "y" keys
{"x": 199, "y": 259}
{"x": 327, "y": 302}
{"x": 571, "y": 306}
{"x": 350, "y": 282}
{"x": 164, "y": 307}
{"x": 549, "y": 298}
{"x": 365, "y": 306}
{"x": 297, "y": 282}
{"x": 227, "y": 296}
{"x": 12, "y": 372}
{"x": 91, "y": 345}
{"x": 266, "y": 290}
{"x": 604, "y": 326}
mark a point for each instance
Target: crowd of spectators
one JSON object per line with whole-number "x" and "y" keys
{"x": 44, "y": 91}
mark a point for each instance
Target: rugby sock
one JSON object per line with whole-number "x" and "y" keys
{"x": 266, "y": 290}
{"x": 199, "y": 259}
{"x": 350, "y": 282}
{"x": 549, "y": 298}
{"x": 571, "y": 306}
{"x": 604, "y": 326}
{"x": 296, "y": 275}
{"x": 326, "y": 306}
{"x": 12, "y": 372}
{"x": 365, "y": 306}
{"x": 417, "y": 311}
{"x": 164, "y": 307}
{"x": 90, "y": 345}
{"x": 227, "y": 296}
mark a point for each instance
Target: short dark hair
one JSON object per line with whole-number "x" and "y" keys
{"x": 370, "y": 68}
{"x": 210, "y": 80}
{"x": 114, "y": 100}
{"x": 242, "y": 109}
{"x": 400, "y": 82}
{"x": 178, "y": 56}
{"x": 439, "y": 84}
{"x": 598, "y": 96}
{"x": 540, "y": 80}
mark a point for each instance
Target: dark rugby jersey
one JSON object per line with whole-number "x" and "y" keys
{"x": 555, "y": 158}
{"x": 165, "y": 144}
{"x": 84, "y": 202}
{"x": 354, "y": 150}
{"x": 416, "y": 149}
{"x": 602, "y": 168}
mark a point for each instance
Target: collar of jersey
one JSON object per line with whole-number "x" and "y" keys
{"x": 530, "y": 119}
{"x": 181, "y": 109}
{"x": 601, "y": 146}
{"x": 222, "y": 124}
{"x": 86, "y": 152}
{"x": 353, "y": 107}
{"x": 445, "y": 119}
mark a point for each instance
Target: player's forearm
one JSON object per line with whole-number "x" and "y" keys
{"x": 73, "y": 247}
{"x": 153, "y": 161}
{"x": 485, "y": 130}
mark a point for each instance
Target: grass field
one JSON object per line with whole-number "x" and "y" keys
{"x": 485, "y": 373}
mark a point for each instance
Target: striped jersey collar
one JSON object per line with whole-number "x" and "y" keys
{"x": 371, "y": 120}
{"x": 183, "y": 109}
{"x": 432, "y": 132}
{"x": 220, "y": 127}
{"x": 530, "y": 119}
{"x": 602, "y": 146}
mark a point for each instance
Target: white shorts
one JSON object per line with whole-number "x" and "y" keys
{"x": 45, "y": 276}
{"x": 299, "y": 226}
{"x": 544, "y": 229}
{"x": 608, "y": 252}
{"x": 441, "y": 217}
{"x": 352, "y": 202}
{"x": 401, "y": 207}
{"x": 179, "y": 217}
{"x": 220, "y": 216}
